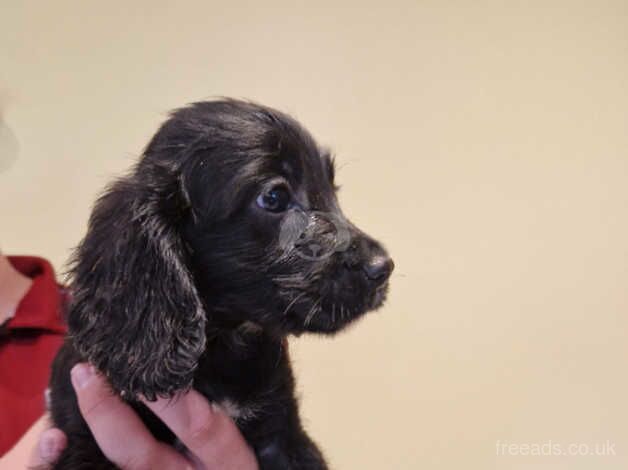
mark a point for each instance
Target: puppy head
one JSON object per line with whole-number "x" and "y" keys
{"x": 268, "y": 241}
{"x": 231, "y": 216}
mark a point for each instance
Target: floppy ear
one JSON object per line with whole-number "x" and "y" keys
{"x": 135, "y": 313}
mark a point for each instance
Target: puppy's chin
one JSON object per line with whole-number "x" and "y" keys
{"x": 333, "y": 315}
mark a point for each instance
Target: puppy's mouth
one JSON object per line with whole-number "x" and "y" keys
{"x": 331, "y": 314}
{"x": 379, "y": 296}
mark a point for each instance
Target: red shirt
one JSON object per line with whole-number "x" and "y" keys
{"x": 28, "y": 344}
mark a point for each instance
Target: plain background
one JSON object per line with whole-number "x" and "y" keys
{"x": 484, "y": 142}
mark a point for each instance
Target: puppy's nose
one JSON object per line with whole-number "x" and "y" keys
{"x": 379, "y": 268}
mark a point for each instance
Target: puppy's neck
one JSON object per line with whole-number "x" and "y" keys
{"x": 241, "y": 362}
{"x": 232, "y": 323}
{"x": 248, "y": 327}
{"x": 241, "y": 335}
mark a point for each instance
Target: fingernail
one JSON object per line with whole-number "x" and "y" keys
{"x": 49, "y": 448}
{"x": 82, "y": 374}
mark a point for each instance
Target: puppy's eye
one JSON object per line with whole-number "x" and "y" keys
{"x": 275, "y": 199}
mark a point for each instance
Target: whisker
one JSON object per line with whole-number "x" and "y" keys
{"x": 315, "y": 309}
{"x": 292, "y": 302}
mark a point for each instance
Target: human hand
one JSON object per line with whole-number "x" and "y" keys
{"x": 211, "y": 437}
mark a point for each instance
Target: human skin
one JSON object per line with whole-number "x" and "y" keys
{"x": 13, "y": 286}
{"x": 212, "y": 438}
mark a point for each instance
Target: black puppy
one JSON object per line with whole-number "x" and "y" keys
{"x": 225, "y": 238}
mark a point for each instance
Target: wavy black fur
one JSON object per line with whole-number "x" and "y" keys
{"x": 185, "y": 280}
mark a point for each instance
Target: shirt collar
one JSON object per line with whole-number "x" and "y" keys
{"x": 42, "y": 306}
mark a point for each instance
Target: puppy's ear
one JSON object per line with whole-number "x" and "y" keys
{"x": 135, "y": 313}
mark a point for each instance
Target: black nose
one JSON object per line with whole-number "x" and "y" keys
{"x": 379, "y": 268}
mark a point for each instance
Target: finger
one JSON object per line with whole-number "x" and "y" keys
{"x": 48, "y": 449}
{"x": 119, "y": 432}
{"x": 206, "y": 430}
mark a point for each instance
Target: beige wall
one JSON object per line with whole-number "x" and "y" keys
{"x": 484, "y": 142}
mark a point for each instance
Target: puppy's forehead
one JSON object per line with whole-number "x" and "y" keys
{"x": 301, "y": 161}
